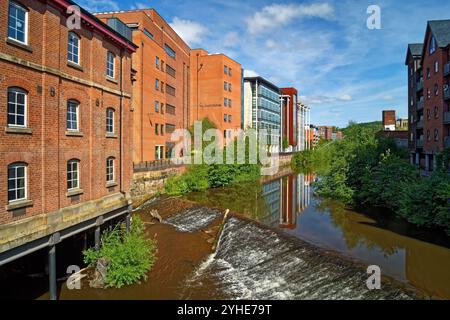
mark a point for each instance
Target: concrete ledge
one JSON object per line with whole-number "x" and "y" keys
{"x": 112, "y": 80}
{"x": 20, "y": 45}
{"x": 18, "y": 130}
{"x": 74, "y": 134}
{"x": 74, "y": 192}
{"x": 111, "y": 184}
{"x": 19, "y": 205}
{"x": 111, "y": 136}
{"x": 21, "y": 232}
{"x": 75, "y": 66}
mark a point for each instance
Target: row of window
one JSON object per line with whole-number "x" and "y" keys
{"x": 18, "y": 178}
{"x": 226, "y": 118}
{"x": 227, "y": 86}
{"x": 161, "y": 86}
{"x": 18, "y": 105}
{"x": 227, "y": 70}
{"x": 18, "y": 31}
{"x": 227, "y": 102}
{"x": 164, "y": 67}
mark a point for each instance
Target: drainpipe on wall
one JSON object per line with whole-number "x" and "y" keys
{"x": 120, "y": 126}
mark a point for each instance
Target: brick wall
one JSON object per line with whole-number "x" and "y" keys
{"x": 47, "y": 148}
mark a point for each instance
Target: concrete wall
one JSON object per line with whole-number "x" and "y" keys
{"x": 146, "y": 185}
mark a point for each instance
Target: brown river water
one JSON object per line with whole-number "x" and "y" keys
{"x": 281, "y": 242}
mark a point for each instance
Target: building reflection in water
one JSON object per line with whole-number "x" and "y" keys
{"x": 286, "y": 199}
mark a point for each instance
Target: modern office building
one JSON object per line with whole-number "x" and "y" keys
{"x": 303, "y": 120}
{"x": 161, "y": 92}
{"x": 65, "y": 146}
{"x": 216, "y": 90}
{"x": 429, "y": 95}
{"x": 289, "y": 109}
{"x": 262, "y": 109}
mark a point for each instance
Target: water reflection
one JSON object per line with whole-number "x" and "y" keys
{"x": 289, "y": 203}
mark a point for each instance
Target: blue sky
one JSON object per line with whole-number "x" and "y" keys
{"x": 343, "y": 70}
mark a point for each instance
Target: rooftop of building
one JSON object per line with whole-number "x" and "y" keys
{"x": 207, "y": 53}
{"x": 262, "y": 80}
{"x": 101, "y": 27}
{"x": 441, "y": 30}
{"x": 146, "y": 12}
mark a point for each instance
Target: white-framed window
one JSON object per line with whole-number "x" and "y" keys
{"x": 110, "y": 169}
{"x": 157, "y": 106}
{"x": 73, "y": 174}
{"x": 159, "y": 152}
{"x": 17, "y": 107}
{"x": 73, "y": 48}
{"x": 110, "y": 120}
{"x": 17, "y": 182}
{"x": 73, "y": 109}
{"x": 17, "y": 22}
{"x": 436, "y": 66}
{"x": 110, "y": 62}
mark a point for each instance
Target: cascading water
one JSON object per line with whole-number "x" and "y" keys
{"x": 256, "y": 262}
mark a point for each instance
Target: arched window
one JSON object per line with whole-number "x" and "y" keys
{"x": 73, "y": 48}
{"x": 110, "y": 62}
{"x": 17, "y": 22}
{"x": 110, "y": 120}
{"x": 17, "y": 107}
{"x": 110, "y": 170}
{"x": 17, "y": 182}
{"x": 73, "y": 174}
{"x": 73, "y": 113}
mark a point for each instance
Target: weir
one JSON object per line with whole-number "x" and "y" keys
{"x": 256, "y": 262}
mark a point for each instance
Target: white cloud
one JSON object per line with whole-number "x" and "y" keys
{"x": 231, "y": 40}
{"x": 346, "y": 97}
{"x": 270, "y": 44}
{"x": 250, "y": 73}
{"x": 277, "y": 15}
{"x": 388, "y": 98}
{"x": 190, "y": 31}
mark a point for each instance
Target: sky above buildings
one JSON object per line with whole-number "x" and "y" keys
{"x": 343, "y": 70}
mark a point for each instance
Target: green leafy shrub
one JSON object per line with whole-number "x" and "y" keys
{"x": 130, "y": 256}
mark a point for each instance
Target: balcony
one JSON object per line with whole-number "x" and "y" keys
{"x": 447, "y": 69}
{"x": 419, "y": 143}
{"x": 447, "y": 142}
{"x": 447, "y": 117}
{"x": 447, "y": 94}
{"x": 419, "y": 124}
{"x": 420, "y": 104}
{"x": 419, "y": 85}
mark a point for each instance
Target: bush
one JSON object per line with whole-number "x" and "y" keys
{"x": 130, "y": 256}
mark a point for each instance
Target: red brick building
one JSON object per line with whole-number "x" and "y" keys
{"x": 289, "y": 116}
{"x": 66, "y": 118}
{"x": 216, "y": 91}
{"x": 326, "y": 132}
{"x": 389, "y": 120}
{"x": 161, "y": 92}
{"x": 429, "y": 94}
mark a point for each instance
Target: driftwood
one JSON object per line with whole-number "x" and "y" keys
{"x": 216, "y": 241}
{"x": 155, "y": 214}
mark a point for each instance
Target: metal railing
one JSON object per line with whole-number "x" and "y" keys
{"x": 447, "y": 94}
{"x": 419, "y": 143}
{"x": 420, "y": 104}
{"x": 446, "y": 69}
{"x": 154, "y": 165}
{"x": 447, "y": 142}
{"x": 419, "y": 124}
{"x": 447, "y": 117}
{"x": 419, "y": 85}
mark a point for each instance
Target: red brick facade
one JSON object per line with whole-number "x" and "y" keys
{"x": 41, "y": 69}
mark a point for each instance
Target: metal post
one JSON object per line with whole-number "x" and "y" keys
{"x": 128, "y": 222}
{"x": 52, "y": 272}
{"x": 97, "y": 238}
